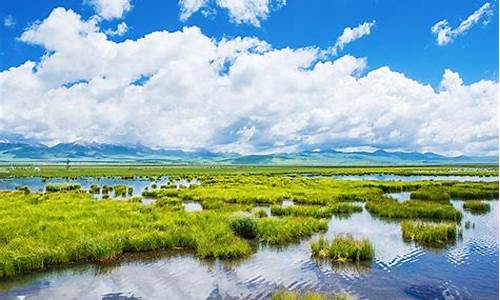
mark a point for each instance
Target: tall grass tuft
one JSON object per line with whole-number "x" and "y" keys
{"x": 245, "y": 227}
{"x": 414, "y": 209}
{"x": 476, "y": 206}
{"x": 343, "y": 248}
{"x": 429, "y": 234}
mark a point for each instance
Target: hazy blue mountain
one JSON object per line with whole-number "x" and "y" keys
{"x": 17, "y": 149}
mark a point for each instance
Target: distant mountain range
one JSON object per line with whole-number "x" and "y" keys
{"x": 23, "y": 150}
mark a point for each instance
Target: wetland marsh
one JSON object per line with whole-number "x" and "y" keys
{"x": 247, "y": 232}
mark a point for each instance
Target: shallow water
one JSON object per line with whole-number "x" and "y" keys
{"x": 37, "y": 184}
{"x": 401, "y": 197}
{"x": 466, "y": 270}
{"x": 192, "y": 206}
{"x": 391, "y": 177}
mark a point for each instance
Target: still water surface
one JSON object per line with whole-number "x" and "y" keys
{"x": 391, "y": 177}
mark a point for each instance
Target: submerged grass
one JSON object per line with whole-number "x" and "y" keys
{"x": 343, "y": 248}
{"x": 429, "y": 234}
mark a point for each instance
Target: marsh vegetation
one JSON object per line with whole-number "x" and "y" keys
{"x": 239, "y": 210}
{"x": 343, "y": 248}
{"x": 429, "y": 234}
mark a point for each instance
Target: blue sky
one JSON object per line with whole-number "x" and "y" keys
{"x": 402, "y": 37}
{"x": 253, "y": 76}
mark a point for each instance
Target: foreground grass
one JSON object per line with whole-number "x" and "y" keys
{"x": 38, "y": 231}
{"x": 343, "y": 248}
{"x": 429, "y": 234}
{"x": 287, "y": 295}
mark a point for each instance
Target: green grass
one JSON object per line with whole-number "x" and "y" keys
{"x": 343, "y": 248}
{"x": 38, "y": 231}
{"x": 430, "y": 194}
{"x": 58, "y": 187}
{"x": 245, "y": 227}
{"x": 289, "y": 295}
{"x": 131, "y": 171}
{"x": 475, "y": 206}
{"x": 429, "y": 234}
{"x": 280, "y": 231}
{"x": 413, "y": 209}
{"x": 316, "y": 211}
{"x": 66, "y": 225}
{"x": 120, "y": 190}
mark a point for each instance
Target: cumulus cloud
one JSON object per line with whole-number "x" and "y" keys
{"x": 351, "y": 34}
{"x": 240, "y": 11}
{"x": 110, "y": 9}
{"x": 185, "y": 90}
{"x": 9, "y": 21}
{"x": 121, "y": 29}
{"x": 445, "y": 34}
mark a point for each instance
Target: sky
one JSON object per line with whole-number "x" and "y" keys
{"x": 253, "y": 76}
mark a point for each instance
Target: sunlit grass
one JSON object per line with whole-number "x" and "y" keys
{"x": 289, "y": 295}
{"x": 413, "y": 209}
{"x": 430, "y": 234}
{"x": 475, "y": 206}
{"x": 343, "y": 248}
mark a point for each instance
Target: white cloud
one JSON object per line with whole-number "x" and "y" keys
{"x": 121, "y": 29}
{"x": 240, "y": 11}
{"x": 9, "y": 21}
{"x": 110, "y": 9}
{"x": 238, "y": 94}
{"x": 445, "y": 34}
{"x": 351, "y": 34}
{"x": 189, "y": 7}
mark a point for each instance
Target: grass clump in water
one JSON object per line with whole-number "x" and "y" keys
{"x": 476, "y": 206}
{"x": 430, "y": 194}
{"x": 23, "y": 189}
{"x": 343, "y": 248}
{"x": 429, "y": 234}
{"x": 280, "y": 231}
{"x": 120, "y": 190}
{"x": 413, "y": 209}
{"x": 62, "y": 187}
{"x": 289, "y": 295}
